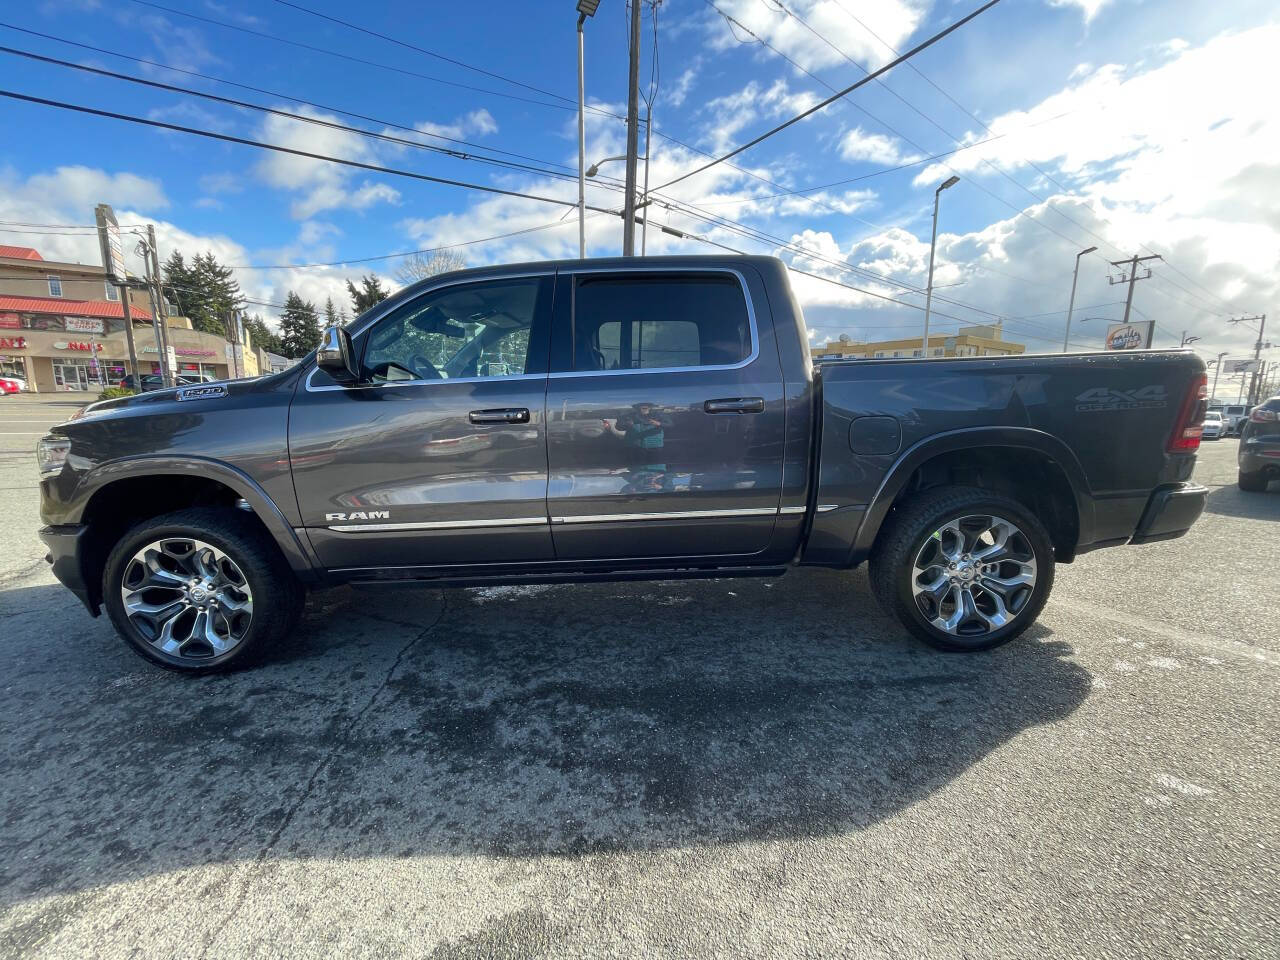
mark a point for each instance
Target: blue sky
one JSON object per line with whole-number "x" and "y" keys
{"x": 1124, "y": 124}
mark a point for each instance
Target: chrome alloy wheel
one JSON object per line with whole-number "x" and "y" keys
{"x": 974, "y": 575}
{"x": 186, "y": 598}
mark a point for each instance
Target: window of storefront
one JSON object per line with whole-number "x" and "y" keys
{"x": 73, "y": 373}
{"x": 112, "y": 291}
{"x": 55, "y": 286}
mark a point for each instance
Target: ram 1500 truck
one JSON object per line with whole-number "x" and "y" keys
{"x": 611, "y": 420}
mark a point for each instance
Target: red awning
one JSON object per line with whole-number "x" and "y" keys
{"x": 72, "y": 308}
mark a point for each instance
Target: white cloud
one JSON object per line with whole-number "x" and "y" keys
{"x": 477, "y": 123}
{"x": 322, "y": 185}
{"x": 1088, "y": 8}
{"x": 82, "y": 188}
{"x": 875, "y": 148}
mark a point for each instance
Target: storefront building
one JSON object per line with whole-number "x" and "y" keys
{"x": 62, "y": 329}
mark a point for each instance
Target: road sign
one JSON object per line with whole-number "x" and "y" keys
{"x": 1248, "y": 365}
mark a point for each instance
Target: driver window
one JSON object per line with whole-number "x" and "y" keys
{"x": 477, "y": 330}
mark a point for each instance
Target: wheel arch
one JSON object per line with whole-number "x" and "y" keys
{"x": 117, "y": 494}
{"x": 1066, "y": 498}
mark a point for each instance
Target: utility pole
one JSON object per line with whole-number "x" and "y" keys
{"x": 1133, "y": 277}
{"x": 633, "y": 134}
{"x": 1186, "y": 339}
{"x": 1257, "y": 352}
{"x": 167, "y": 376}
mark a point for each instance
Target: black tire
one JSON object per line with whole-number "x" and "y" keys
{"x": 905, "y": 534}
{"x": 1252, "y": 482}
{"x": 277, "y": 596}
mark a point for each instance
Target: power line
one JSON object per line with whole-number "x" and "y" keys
{"x": 303, "y": 118}
{"x": 405, "y": 253}
{"x": 262, "y": 145}
{"x": 413, "y": 46}
{"x": 571, "y": 105}
{"x": 836, "y": 96}
{"x": 1030, "y": 162}
{"x": 284, "y": 96}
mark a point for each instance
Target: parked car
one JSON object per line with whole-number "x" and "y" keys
{"x": 670, "y": 425}
{"x": 1259, "y": 454}
{"x": 1214, "y": 427}
{"x": 1235, "y": 414}
{"x": 9, "y": 385}
{"x": 149, "y": 381}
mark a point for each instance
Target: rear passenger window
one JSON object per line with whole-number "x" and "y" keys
{"x": 655, "y": 321}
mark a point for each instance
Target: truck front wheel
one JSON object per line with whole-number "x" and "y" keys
{"x": 200, "y": 590}
{"x": 963, "y": 568}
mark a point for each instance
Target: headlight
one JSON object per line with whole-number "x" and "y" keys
{"x": 51, "y": 454}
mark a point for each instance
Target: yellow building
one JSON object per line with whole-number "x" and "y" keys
{"x": 975, "y": 341}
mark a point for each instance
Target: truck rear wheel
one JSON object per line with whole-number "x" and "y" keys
{"x": 200, "y": 590}
{"x": 963, "y": 568}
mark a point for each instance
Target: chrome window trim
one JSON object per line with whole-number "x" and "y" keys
{"x": 382, "y": 314}
{"x": 746, "y": 296}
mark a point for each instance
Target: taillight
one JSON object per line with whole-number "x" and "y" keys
{"x": 1264, "y": 416}
{"x": 1190, "y": 424}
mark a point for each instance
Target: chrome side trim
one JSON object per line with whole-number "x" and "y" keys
{"x": 589, "y": 518}
{"x": 828, "y": 507}
{"x": 672, "y": 515}
{"x": 746, "y": 296}
{"x": 784, "y": 511}
{"x": 437, "y": 525}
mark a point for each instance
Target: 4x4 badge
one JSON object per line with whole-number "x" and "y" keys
{"x": 1108, "y": 398}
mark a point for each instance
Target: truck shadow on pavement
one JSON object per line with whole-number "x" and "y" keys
{"x": 511, "y": 722}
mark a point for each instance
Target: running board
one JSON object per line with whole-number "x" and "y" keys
{"x": 600, "y": 576}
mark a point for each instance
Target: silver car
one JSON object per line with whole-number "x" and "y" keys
{"x": 1214, "y": 426}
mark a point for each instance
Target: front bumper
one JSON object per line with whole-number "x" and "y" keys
{"x": 1170, "y": 512}
{"x": 66, "y": 554}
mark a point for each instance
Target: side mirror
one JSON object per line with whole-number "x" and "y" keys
{"x": 336, "y": 357}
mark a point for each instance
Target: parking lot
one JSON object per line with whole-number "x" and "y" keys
{"x": 711, "y": 768}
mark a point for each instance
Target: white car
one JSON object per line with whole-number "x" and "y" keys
{"x": 1234, "y": 415}
{"x": 22, "y": 384}
{"x": 1214, "y": 426}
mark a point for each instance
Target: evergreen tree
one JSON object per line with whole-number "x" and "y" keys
{"x": 299, "y": 327}
{"x": 262, "y": 335}
{"x": 370, "y": 293}
{"x": 204, "y": 290}
{"x": 330, "y": 314}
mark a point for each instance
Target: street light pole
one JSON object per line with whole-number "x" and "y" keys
{"x": 633, "y": 135}
{"x": 1071, "y": 304}
{"x": 1217, "y": 372}
{"x": 933, "y": 242}
{"x": 586, "y": 8}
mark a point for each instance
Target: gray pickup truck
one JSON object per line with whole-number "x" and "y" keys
{"x": 611, "y": 420}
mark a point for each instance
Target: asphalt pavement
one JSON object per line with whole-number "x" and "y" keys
{"x": 747, "y": 768}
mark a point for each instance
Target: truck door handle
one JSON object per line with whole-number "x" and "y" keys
{"x": 735, "y": 405}
{"x": 508, "y": 415}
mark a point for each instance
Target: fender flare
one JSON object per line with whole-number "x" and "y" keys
{"x": 264, "y": 508}
{"x": 968, "y": 438}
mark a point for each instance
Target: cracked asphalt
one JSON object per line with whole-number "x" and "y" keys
{"x": 714, "y": 768}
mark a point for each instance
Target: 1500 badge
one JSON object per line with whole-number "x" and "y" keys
{"x": 1108, "y": 398}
